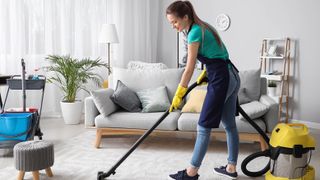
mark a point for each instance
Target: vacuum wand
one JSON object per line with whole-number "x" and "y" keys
{"x": 102, "y": 175}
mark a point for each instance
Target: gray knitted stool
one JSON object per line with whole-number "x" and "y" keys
{"x": 33, "y": 156}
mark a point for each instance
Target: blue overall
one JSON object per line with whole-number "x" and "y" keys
{"x": 218, "y": 81}
{"x": 220, "y": 101}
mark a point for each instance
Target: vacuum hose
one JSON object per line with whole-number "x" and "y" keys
{"x": 253, "y": 156}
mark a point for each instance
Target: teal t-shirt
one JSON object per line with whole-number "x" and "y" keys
{"x": 210, "y": 47}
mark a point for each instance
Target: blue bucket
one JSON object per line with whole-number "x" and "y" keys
{"x": 14, "y": 125}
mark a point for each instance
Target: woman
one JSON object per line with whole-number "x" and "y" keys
{"x": 205, "y": 45}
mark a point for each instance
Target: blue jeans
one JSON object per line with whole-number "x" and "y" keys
{"x": 228, "y": 122}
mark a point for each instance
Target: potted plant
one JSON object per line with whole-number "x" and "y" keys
{"x": 272, "y": 88}
{"x": 71, "y": 76}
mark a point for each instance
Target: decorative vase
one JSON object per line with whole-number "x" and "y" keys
{"x": 71, "y": 112}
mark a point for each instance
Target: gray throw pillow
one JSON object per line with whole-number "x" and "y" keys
{"x": 103, "y": 102}
{"x": 243, "y": 97}
{"x": 250, "y": 79}
{"x": 126, "y": 98}
{"x": 154, "y": 100}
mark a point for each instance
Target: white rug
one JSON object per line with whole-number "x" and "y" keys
{"x": 77, "y": 159}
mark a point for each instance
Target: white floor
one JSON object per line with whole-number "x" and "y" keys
{"x": 56, "y": 131}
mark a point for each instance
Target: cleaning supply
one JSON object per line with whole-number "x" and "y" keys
{"x": 35, "y": 75}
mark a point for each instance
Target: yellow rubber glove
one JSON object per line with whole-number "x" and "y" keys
{"x": 201, "y": 76}
{"x": 177, "y": 99}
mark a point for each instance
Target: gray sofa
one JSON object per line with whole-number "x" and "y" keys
{"x": 118, "y": 121}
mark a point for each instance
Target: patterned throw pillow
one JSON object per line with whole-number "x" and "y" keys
{"x": 139, "y": 65}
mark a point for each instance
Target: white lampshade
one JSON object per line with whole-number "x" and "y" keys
{"x": 108, "y": 34}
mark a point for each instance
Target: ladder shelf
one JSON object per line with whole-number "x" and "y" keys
{"x": 277, "y": 49}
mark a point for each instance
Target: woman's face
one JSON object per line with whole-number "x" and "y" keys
{"x": 178, "y": 23}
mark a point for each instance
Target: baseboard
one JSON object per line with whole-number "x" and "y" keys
{"x": 311, "y": 125}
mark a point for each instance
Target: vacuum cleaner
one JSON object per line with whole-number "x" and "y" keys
{"x": 290, "y": 150}
{"x": 286, "y": 141}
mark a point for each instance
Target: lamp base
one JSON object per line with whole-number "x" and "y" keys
{"x": 105, "y": 84}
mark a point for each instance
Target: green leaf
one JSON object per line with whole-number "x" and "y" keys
{"x": 71, "y": 74}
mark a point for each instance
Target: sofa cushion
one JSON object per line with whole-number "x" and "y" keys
{"x": 195, "y": 101}
{"x": 154, "y": 99}
{"x": 126, "y": 98}
{"x": 250, "y": 80}
{"x": 254, "y": 109}
{"x": 103, "y": 102}
{"x": 189, "y": 121}
{"x": 137, "y": 120}
{"x": 145, "y": 79}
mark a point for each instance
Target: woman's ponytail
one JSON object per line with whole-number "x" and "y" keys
{"x": 195, "y": 18}
{"x": 182, "y": 8}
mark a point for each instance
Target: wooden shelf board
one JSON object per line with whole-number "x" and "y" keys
{"x": 272, "y": 57}
{"x": 275, "y": 77}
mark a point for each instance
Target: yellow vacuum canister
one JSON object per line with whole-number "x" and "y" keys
{"x": 290, "y": 153}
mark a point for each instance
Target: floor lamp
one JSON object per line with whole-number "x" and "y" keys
{"x": 108, "y": 35}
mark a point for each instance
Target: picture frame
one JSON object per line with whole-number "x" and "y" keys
{"x": 272, "y": 50}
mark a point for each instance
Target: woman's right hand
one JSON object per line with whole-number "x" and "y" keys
{"x": 201, "y": 76}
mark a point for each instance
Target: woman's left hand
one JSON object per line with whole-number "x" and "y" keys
{"x": 177, "y": 99}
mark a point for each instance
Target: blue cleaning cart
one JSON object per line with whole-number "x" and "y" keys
{"x": 15, "y": 126}
{"x": 20, "y": 126}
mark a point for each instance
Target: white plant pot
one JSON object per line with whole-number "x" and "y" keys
{"x": 71, "y": 112}
{"x": 272, "y": 91}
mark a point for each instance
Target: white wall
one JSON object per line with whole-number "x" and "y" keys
{"x": 253, "y": 20}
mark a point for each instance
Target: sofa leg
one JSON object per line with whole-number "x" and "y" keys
{"x": 98, "y": 138}
{"x": 263, "y": 144}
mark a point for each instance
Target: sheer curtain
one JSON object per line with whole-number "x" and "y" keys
{"x": 33, "y": 29}
{"x": 137, "y": 24}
